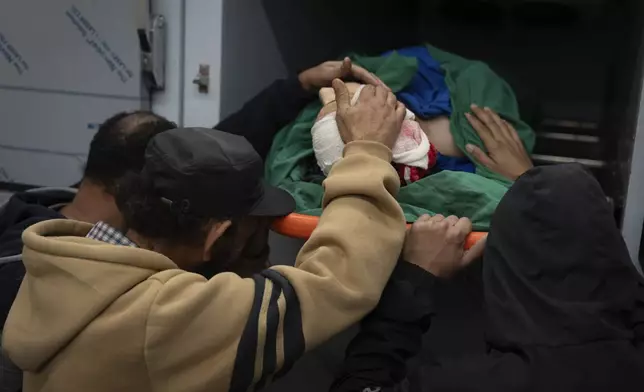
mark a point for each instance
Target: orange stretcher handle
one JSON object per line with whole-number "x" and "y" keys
{"x": 301, "y": 226}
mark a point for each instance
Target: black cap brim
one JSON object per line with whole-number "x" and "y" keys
{"x": 275, "y": 202}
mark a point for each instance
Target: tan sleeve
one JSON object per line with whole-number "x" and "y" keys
{"x": 231, "y": 333}
{"x": 343, "y": 268}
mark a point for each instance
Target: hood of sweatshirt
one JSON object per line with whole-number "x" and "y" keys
{"x": 556, "y": 271}
{"x": 70, "y": 281}
{"x": 21, "y": 211}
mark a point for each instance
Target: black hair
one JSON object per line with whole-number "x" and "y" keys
{"x": 119, "y": 146}
{"x": 146, "y": 213}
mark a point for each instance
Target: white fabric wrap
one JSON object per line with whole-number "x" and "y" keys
{"x": 411, "y": 148}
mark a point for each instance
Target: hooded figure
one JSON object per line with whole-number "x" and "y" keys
{"x": 563, "y": 305}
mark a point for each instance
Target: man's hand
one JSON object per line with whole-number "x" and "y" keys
{"x": 323, "y": 74}
{"x": 506, "y": 153}
{"x": 436, "y": 245}
{"x": 377, "y": 116}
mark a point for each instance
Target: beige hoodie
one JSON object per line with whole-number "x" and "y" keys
{"x": 91, "y": 316}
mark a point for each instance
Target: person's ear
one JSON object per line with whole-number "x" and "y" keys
{"x": 215, "y": 232}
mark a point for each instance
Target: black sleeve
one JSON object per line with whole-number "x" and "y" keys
{"x": 264, "y": 115}
{"x": 638, "y": 315}
{"x": 391, "y": 335}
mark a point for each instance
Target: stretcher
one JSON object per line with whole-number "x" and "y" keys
{"x": 301, "y": 226}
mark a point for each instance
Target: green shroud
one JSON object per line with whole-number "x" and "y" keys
{"x": 291, "y": 162}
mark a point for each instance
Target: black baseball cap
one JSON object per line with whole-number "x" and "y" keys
{"x": 212, "y": 174}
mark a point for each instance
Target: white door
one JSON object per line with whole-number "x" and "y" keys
{"x": 65, "y": 66}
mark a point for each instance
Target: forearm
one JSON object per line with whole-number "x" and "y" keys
{"x": 390, "y": 335}
{"x": 344, "y": 266}
{"x": 264, "y": 115}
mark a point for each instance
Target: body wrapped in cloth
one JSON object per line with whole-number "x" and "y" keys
{"x": 292, "y": 164}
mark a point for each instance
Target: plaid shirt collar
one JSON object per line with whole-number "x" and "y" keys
{"x": 101, "y": 231}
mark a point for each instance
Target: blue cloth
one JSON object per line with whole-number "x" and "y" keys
{"x": 427, "y": 94}
{"x": 454, "y": 164}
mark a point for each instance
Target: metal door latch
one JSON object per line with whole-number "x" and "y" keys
{"x": 203, "y": 78}
{"x": 153, "y": 47}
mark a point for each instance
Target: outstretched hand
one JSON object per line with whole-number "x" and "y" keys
{"x": 323, "y": 74}
{"x": 506, "y": 153}
{"x": 377, "y": 116}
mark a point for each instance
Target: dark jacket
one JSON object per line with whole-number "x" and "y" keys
{"x": 21, "y": 211}
{"x": 268, "y": 112}
{"x": 391, "y": 334}
{"x": 564, "y": 307}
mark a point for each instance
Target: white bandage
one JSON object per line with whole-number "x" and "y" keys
{"x": 411, "y": 148}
